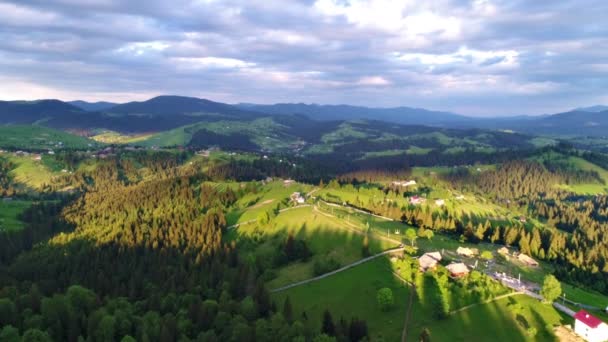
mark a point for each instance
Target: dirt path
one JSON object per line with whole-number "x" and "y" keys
{"x": 341, "y": 269}
{"x": 268, "y": 201}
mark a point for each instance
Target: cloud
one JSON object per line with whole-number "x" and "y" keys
{"x": 474, "y": 56}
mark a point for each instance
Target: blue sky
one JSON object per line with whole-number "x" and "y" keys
{"x": 479, "y": 57}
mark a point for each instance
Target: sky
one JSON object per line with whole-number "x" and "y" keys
{"x": 481, "y": 57}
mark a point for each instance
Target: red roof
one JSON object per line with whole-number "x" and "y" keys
{"x": 588, "y": 319}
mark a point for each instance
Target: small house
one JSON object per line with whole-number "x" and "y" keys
{"x": 522, "y": 219}
{"x": 429, "y": 261}
{"x": 297, "y": 198}
{"x": 589, "y": 327}
{"x": 404, "y": 183}
{"x": 503, "y": 251}
{"x": 464, "y": 251}
{"x": 457, "y": 269}
{"x": 415, "y": 200}
{"x": 288, "y": 182}
{"x": 440, "y": 202}
{"x": 527, "y": 260}
{"x": 459, "y": 197}
{"x": 37, "y": 157}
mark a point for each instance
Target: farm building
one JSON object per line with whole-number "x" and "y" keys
{"x": 429, "y": 261}
{"x": 297, "y": 198}
{"x": 288, "y": 182}
{"x": 527, "y": 260}
{"x": 415, "y": 200}
{"x": 404, "y": 183}
{"x": 503, "y": 251}
{"x": 458, "y": 269}
{"x": 590, "y": 327}
{"x": 440, "y": 202}
{"x": 464, "y": 251}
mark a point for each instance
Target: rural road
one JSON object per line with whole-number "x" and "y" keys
{"x": 341, "y": 269}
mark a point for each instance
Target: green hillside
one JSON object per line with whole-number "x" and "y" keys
{"x": 40, "y": 137}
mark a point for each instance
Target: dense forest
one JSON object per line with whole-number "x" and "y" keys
{"x": 142, "y": 258}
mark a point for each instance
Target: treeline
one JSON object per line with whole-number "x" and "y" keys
{"x": 516, "y": 179}
{"x": 41, "y": 221}
{"x": 6, "y": 184}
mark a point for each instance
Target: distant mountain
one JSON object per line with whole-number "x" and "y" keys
{"x": 27, "y": 112}
{"x": 163, "y": 113}
{"x": 402, "y": 115}
{"x": 592, "y": 109}
{"x": 93, "y": 106}
{"x": 168, "y": 105}
{"x": 573, "y": 123}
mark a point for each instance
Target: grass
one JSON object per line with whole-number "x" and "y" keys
{"x": 352, "y": 293}
{"x": 9, "y": 212}
{"x": 111, "y": 137}
{"x": 325, "y": 236}
{"x": 507, "y": 319}
{"x": 29, "y": 172}
{"x": 270, "y": 195}
{"x": 39, "y": 137}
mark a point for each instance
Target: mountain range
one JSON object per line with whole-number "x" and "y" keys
{"x": 168, "y": 112}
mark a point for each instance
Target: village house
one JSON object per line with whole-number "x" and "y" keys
{"x": 404, "y": 183}
{"x": 288, "y": 182}
{"x": 459, "y": 197}
{"x": 429, "y": 261}
{"x": 297, "y": 198}
{"x": 589, "y": 327}
{"x": 464, "y": 251}
{"x": 527, "y": 260}
{"x": 415, "y": 200}
{"x": 51, "y": 152}
{"x": 440, "y": 202}
{"x": 503, "y": 250}
{"x": 457, "y": 269}
{"x": 37, "y": 157}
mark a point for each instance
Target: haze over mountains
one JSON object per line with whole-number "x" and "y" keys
{"x": 167, "y": 112}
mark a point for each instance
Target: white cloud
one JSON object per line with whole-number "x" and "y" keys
{"x": 373, "y": 81}
{"x": 211, "y": 62}
{"x": 464, "y": 55}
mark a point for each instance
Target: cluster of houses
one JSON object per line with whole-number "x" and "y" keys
{"x": 429, "y": 261}
{"x": 416, "y": 200}
{"x": 521, "y": 257}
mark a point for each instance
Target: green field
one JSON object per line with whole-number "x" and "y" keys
{"x": 326, "y": 237}
{"x": 352, "y": 293}
{"x": 31, "y": 173}
{"x": 39, "y": 137}
{"x": 9, "y": 212}
{"x": 507, "y": 319}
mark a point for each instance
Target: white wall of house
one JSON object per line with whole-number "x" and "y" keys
{"x": 599, "y": 334}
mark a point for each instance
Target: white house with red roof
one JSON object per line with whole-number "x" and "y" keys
{"x": 589, "y": 327}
